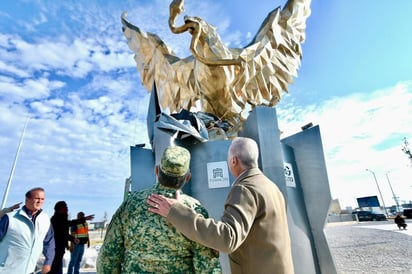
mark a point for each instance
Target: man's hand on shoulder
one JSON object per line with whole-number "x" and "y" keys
{"x": 160, "y": 204}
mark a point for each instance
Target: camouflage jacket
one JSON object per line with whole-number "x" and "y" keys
{"x": 138, "y": 241}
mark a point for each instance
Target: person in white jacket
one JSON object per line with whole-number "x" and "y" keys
{"x": 24, "y": 234}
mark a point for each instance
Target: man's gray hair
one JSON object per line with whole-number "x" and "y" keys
{"x": 246, "y": 150}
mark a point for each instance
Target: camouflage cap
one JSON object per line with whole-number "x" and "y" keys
{"x": 175, "y": 161}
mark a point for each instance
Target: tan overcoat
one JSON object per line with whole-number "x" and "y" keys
{"x": 253, "y": 229}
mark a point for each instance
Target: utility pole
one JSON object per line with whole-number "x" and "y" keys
{"x": 6, "y": 192}
{"x": 393, "y": 193}
{"x": 380, "y": 193}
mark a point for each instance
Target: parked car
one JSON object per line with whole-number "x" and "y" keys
{"x": 365, "y": 215}
{"x": 407, "y": 213}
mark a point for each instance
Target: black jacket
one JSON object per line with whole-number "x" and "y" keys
{"x": 61, "y": 226}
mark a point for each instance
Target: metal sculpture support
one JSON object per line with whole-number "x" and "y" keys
{"x": 230, "y": 83}
{"x": 305, "y": 185}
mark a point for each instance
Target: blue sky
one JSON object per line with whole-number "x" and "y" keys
{"x": 67, "y": 65}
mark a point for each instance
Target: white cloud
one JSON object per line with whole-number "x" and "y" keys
{"x": 17, "y": 91}
{"x": 75, "y": 58}
{"x": 359, "y": 131}
{"x": 9, "y": 69}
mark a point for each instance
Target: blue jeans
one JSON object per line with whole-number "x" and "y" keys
{"x": 75, "y": 259}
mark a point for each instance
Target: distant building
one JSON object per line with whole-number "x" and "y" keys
{"x": 97, "y": 225}
{"x": 407, "y": 205}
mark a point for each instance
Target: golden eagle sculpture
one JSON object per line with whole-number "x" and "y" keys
{"x": 226, "y": 82}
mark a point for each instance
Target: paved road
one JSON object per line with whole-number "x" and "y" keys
{"x": 389, "y": 227}
{"x": 365, "y": 247}
{"x": 370, "y": 247}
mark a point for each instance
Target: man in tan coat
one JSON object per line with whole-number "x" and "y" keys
{"x": 253, "y": 229}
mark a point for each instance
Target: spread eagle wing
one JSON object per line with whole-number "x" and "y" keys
{"x": 272, "y": 59}
{"x": 158, "y": 64}
{"x": 224, "y": 80}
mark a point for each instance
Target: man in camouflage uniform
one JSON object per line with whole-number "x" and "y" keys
{"x": 138, "y": 241}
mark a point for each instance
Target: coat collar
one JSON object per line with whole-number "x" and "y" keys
{"x": 247, "y": 173}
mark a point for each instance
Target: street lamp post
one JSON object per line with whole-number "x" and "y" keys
{"x": 393, "y": 193}
{"x": 6, "y": 192}
{"x": 380, "y": 193}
